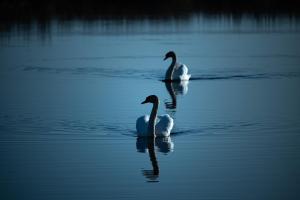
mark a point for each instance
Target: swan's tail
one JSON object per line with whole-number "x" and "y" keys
{"x": 185, "y": 77}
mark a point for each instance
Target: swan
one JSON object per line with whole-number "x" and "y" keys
{"x": 176, "y": 71}
{"x": 154, "y": 125}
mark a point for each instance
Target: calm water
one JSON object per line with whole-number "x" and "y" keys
{"x": 71, "y": 93}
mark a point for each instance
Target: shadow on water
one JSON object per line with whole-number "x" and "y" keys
{"x": 163, "y": 144}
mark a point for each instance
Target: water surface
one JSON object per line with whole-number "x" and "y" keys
{"x": 71, "y": 93}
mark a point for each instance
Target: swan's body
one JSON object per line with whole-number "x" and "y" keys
{"x": 176, "y": 71}
{"x": 180, "y": 72}
{"x": 154, "y": 125}
{"x": 163, "y": 126}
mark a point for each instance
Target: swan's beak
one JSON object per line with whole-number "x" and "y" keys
{"x": 144, "y": 102}
{"x": 165, "y": 58}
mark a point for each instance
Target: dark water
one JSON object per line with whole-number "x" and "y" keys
{"x": 71, "y": 93}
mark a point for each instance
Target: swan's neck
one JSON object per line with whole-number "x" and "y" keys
{"x": 152, "y": 120}
{"x": 170, "y": 70}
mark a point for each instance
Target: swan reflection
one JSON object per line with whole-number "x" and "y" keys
{"x": 162, "y": 144}
{"x": 174, "y": 89}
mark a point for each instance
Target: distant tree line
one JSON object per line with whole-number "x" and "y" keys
{"x": 28, "y": 9}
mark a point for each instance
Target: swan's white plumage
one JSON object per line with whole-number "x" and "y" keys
{"x": 142, "y": 125}
{"x": 163, "y": 127}
{"x": 181, "y": 72}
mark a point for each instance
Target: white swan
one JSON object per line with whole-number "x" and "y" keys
{"x": 176, "y": 71}
{"x": 154, "y": 125}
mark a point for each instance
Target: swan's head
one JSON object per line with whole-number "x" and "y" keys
{"x": 170, "y": 54}
{"x": 151, "y": 99}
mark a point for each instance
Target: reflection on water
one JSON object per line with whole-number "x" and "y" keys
{"x": 155, "y": 172}
{"x": 191, "y": 23}
{"x": 174, "y": 89}
{"x": 163, "y": 144}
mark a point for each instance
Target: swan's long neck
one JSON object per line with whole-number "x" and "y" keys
{"x": 152, "y": 120}
{"x": 170, "y": 70}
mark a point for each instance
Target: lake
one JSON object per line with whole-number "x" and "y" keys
{"x": 71, "y": 92}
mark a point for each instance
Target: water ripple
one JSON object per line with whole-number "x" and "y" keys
{"x": 156, "y": 74}
{"x": 22, "y": 128}
{"x": 97, "y": 71}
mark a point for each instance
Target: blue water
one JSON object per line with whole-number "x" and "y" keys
{"x": 70, "y": 96}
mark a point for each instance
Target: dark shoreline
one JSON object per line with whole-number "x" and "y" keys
{"x": 23, "y": 14}
{"x": 13, "y": 10}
